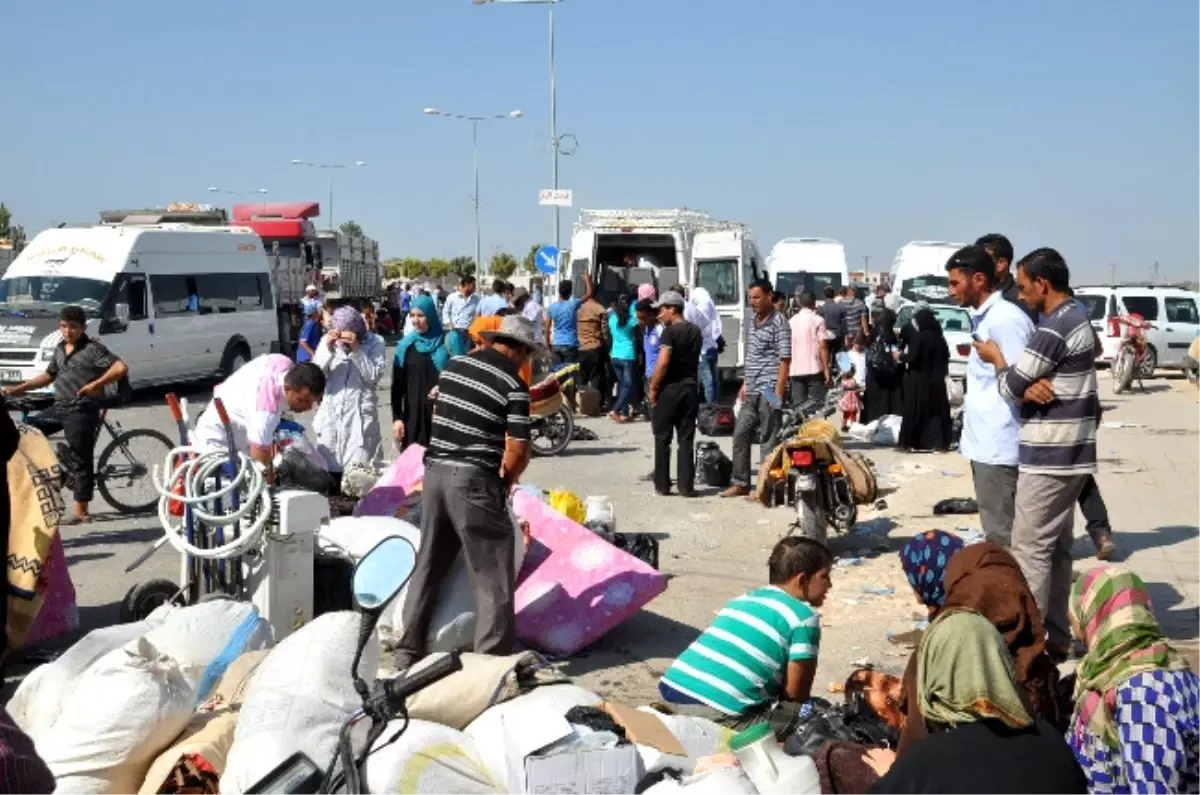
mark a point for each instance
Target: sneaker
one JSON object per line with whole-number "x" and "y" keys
{"x": 1105, "y": 549}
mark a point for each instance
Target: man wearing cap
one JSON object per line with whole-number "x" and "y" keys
{"x": 477, "y": 451}
{"x": 674, "y": 395}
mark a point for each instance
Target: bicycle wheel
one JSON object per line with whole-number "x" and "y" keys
{"x": 1122, "y": 371}
{"x": 125, "y": 475}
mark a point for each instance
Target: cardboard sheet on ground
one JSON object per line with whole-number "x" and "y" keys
{"x": 575, "y": 586}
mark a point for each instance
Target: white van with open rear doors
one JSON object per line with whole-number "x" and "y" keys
{"x": 176, "y": 302}
{"x": 623, "y": 249}
{"x": 807, "y": 263}
{"x": 919, "y": 271}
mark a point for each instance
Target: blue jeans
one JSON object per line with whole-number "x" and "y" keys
{"x": 624, "y": 370}
{"x": 709, "y": 379}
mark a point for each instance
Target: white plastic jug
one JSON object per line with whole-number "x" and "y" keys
{"x": 771, "y": 770}
{"x": 599, "y": 509}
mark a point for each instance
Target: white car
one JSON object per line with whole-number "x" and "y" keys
{"x": 956, "y": 327}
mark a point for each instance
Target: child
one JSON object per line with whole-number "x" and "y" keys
{"x": 854, "y": 381}
{"x": 762, "y": 647}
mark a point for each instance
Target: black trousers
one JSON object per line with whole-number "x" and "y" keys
{"x": 464, "y": 508}
{"x": 676, "y": 414}
{"x": 81, "y": 428}
{"x": 593, "y": 372}
{"x": 1094, "y": 511}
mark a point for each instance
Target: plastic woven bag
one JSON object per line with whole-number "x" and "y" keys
{"x": 569, "y": 505}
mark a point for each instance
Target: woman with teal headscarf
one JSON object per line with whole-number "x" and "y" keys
{"x": 420, "y": 357}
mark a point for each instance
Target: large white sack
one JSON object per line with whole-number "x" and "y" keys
{"x": 38, "y": 700}
{"x": 124, "y": 711}
{"x": 488, "y": 731}
{"x": 453, "y": 624}
{"x": 205, "y": 638}
{"x": 888, "y": 432}
{"x": 299, "y": 698}
{"x": 427, "y": 758}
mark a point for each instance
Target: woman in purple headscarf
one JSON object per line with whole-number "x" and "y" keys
{"x": 347, "y": 423}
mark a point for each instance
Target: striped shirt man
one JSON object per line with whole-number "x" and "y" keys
{"x": 741, "y": 660}
{"x": 481, "y": 400}
{"x": 1058, "y": 438}
{"x": 767, "y": 345}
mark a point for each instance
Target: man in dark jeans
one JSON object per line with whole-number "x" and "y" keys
{"x": 674, "y": 395}
{"x": 478, "y": 450}
{"x": 80, "y": 370}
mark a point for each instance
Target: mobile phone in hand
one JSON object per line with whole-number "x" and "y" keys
{"x": 976, "y": 337}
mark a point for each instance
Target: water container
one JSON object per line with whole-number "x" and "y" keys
{"x": 771, "y": 770}
{"x": 600, "y": 513}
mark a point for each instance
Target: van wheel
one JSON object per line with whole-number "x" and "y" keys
{"x": 237, "y": 355}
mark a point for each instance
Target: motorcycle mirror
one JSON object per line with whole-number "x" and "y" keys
{"x": 381, "y": 574}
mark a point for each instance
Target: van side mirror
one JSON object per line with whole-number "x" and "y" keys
{"x": 117, "y": 321}
{"x": 121, "y": 312}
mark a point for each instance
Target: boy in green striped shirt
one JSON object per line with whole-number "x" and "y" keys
{"x": 762, "y": 646}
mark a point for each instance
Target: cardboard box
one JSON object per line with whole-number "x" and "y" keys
{"x": 575, "y": 771}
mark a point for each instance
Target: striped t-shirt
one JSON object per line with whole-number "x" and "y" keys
{"x": 1058, "y": 438}
{"x": 481, "y": 399}
{"x": 767, "y": 344}
{"x": 741, "y": 660}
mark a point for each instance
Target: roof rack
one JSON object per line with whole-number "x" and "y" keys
{"x": 692, "y": 220}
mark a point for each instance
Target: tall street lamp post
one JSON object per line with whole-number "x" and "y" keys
{"x": 260, "y": 192}
{"x": 474, "y": 120}
{"x": 331, "y": 167}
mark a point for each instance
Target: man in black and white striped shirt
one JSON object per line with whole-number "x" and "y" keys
{"x": 478, "y": 449}
{"x": 768, "y": 354}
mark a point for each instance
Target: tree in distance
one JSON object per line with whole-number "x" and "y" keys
{"x": 503, "y": 265}
{"x": 351, "y": 229}
{"x": 463, "y": 266}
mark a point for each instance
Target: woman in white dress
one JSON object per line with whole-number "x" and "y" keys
{"x": 347, "y": 423}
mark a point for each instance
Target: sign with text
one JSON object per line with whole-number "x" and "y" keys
{"x": 555, "y": 197}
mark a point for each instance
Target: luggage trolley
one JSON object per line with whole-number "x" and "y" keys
{"x": 237, "y": 537}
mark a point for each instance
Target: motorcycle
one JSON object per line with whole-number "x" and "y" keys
{"x": 1131, "y": 357}
{"x": 378, "y": 577}
{"x": 552, "y": 422}
{"x": 815, "y": 483}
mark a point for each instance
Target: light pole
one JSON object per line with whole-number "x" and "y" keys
{"x": 512, "y": 114}
{"x": 555, "y": 141}
{"x": 260, "y": 192}
{"x": 331, "y": 167}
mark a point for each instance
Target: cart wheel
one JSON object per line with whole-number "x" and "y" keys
{"x": 144, "y": 598}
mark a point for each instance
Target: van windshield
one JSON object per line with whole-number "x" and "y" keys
{"x": 46, "y": 295}
{"x": 720, "y": 278}
{"x": 789, "y": 283}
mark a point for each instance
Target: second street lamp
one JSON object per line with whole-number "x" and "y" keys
{"x": 331, "y": 167}
{"x": 260, "y": 192}
{"x": 512, "y": 114}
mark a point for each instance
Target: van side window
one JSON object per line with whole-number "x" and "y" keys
{"x": 249, "y": 294}
{"x": 218, "y": 293}
{"x": 170, "y": 295}
{"x": 1182, "y": 310}
{"x": 1144, "y": 305}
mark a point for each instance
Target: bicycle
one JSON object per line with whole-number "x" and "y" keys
{"x": 117, "y": 466}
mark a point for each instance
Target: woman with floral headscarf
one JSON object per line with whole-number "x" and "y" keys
{"x": 347, "y": 423}
{"x": 420, "y": 357}
{"x": 1136, "y": 726}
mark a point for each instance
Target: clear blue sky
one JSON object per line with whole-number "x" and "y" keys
{"x": 1068, "y": 123}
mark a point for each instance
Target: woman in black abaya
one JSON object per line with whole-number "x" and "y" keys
{"x": 926, "y": 405}
{"x": 885, "y": 379}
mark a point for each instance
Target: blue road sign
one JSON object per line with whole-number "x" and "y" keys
{"x": 546, "y": 260}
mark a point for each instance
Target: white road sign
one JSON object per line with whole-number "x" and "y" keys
{"x": 551, "y": 197}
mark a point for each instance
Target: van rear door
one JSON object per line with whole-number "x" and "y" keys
{"x": 719, "y": 266}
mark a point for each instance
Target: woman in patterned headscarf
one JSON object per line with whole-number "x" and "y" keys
{"x": 347, "y": 423}
{"x": 1136, "y": 726}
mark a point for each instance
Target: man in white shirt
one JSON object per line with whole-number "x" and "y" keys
{"x": 991, "y": 427}
{"x": 255, "y": 398}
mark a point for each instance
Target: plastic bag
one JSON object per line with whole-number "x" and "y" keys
{"x": 714, "y": 467}
{"x": 715, "y": 420}
{"x": 956, "y": 505}
{"x": 133, "y": 703}
{"x": 295, "y": 471}
{"x": 427, "y": 758}
{"x": 568, "y": 504}
{"x": 290, "y": 435}
{"x": 888, "y": 430}
{"x": 954, "y": 392}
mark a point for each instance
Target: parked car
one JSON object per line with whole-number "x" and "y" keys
{"x": 1174, "y": 313}
{"x": 956, "y": 326}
